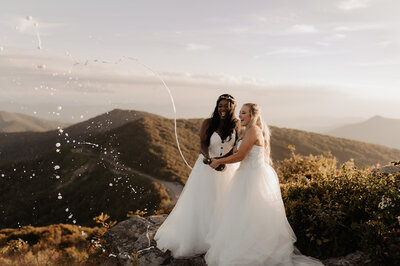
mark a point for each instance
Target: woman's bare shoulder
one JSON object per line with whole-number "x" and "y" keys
{"x": 206, "y": 122}
{"x": 205, "y": 125}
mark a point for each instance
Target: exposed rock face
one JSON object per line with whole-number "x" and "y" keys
{"x": 133, "y": 244}
{"x": 356, "y": 258}
{"x": 389, "y": 169}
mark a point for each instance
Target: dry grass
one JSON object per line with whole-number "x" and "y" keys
{"x": 59, "y": 244}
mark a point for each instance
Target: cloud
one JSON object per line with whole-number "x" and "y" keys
{"x": 384, "y": 44}
{"x": 29, "y": 25}
{"x": 196, "y": 47}
{"x": 303, "y": 28}
{"x": 261, "y": 19}
{"x": 354, "y": 4}
{"x": 292, "y": 52}
{"x": 380, "y": 63}
{"x": 360, "y": 27}
{"x": 240, "y": 29}
{"x": 322, "y": 43}
{"x": 334, "y": 37}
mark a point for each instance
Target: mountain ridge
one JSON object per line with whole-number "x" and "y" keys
{"x": 17, "y": 122}
{"x": 377, "y": 129}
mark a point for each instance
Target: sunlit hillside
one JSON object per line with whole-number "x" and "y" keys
{"x": 14, "y": 122}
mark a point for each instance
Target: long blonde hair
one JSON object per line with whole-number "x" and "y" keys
{"x": 256, "y": 119}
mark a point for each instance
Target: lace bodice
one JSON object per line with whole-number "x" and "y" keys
{"x": 218, "y": 147}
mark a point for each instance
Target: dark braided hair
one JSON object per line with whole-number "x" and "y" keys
{"x": 230, "y": 122}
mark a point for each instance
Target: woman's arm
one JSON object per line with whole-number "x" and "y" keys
{"x": 203, "y": 139}
{"x": 248, "y": 141}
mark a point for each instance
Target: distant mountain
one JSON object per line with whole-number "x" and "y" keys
{"x": 317, "y": 124}
{"x": 15, "y": 122}
{"x": 378, "y": 129}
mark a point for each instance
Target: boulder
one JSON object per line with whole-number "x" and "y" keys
{"x": 389, "y": 169}
{"x": 132, "y": 243}
{"x": 353, "y": 259}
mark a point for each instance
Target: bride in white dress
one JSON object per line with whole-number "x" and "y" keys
{"x": 184, "y": 231}
{"x": 253, "y": 228}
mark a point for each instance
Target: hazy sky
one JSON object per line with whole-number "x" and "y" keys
{"x": 306, "y": 62}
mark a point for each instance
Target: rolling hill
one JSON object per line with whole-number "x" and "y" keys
{"x": 378, "y": 129}
{"x": 149, "y": 144}
{"x": 15, "y": 122}
{"x": 106, "y": 168}
{"x": 28, "y": 145}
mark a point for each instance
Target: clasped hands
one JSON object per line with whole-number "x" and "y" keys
{"x": 213, "y": 162}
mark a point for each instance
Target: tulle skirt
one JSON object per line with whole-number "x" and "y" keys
{"x": 185, "y": 230}
{"x": 252, "y": 228}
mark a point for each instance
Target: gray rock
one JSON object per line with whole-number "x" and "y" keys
{"x": 352, "y": 259}
{"x": 389, "y": 169}
{"x": 132, "y": 242}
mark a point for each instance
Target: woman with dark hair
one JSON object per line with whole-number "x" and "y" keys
{"x": 185, "y": 230}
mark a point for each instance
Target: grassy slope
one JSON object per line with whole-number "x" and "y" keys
{"x": 364, "y": 154}
{"x": 84, "y": 184}
{"x": 149, "y": 145}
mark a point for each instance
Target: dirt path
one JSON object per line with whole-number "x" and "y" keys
{"x": 173, "y": 189}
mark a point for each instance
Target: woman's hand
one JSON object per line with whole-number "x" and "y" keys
{"x": 214, "y": 163}
{"x": 206, "y": 160}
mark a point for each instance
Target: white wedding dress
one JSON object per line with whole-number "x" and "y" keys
{"x": 185, "y": 229}
{"x": 253, "y": 228}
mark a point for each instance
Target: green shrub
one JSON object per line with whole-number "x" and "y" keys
{"x": 338, "y": 211}
{"x": 299, "y": 167}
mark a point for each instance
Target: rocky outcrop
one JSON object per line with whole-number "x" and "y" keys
{"x": 389, "y": 169}
{"x": 132, "y": 243}
{"x": 356, "y": 258}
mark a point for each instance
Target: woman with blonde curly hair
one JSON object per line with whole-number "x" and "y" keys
{"x": 253, "y": 228}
